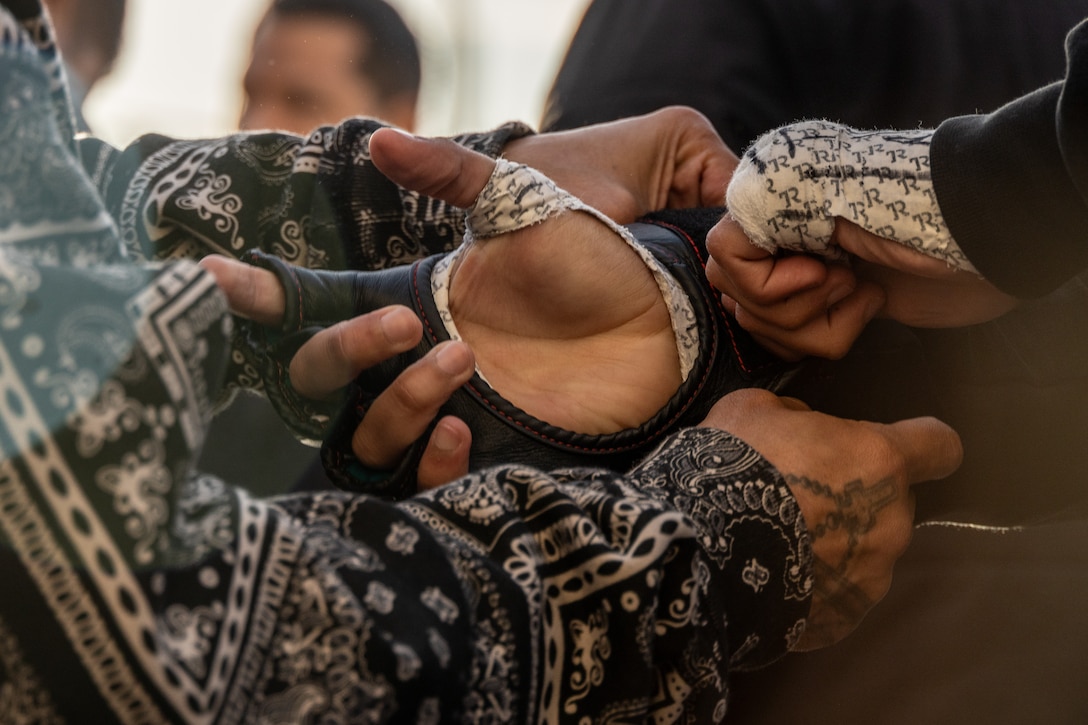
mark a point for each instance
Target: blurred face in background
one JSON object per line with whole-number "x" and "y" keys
{"x": 304, "y": 72}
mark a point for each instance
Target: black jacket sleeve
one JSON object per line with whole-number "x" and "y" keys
{"x": 1013, "y": 184}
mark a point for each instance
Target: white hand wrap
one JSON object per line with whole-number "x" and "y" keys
{"x": 794, "y": 181}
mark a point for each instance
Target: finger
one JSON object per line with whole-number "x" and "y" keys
{"x": 790, "y": 403}
{"x": 770, "y": 282}
{"x": 404, "y": 410}
{"x": 438, "y": 168}
{"x": 887, "y": 253}
{"x": 828, "y": 335}
{"x": 334, "y": 356}
{"x": 754, "y": 275}
{"x": 796, "y": 310}
{"x": 931, "y": 449}
{"x": 772, "y": 345}
{"x": 251, "y": 292}
{"x": 447, "y": 453}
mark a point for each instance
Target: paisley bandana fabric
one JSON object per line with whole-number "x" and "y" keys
{"x": 137, "y": 590}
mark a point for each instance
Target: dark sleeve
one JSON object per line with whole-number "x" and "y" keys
{"x": 721, "y": 58}
{"x": 317, "y": 202}
{"x": 1013, "y": 184}
{"x": 756, "y": 65}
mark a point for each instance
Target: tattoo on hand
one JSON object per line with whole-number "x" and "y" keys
{"x": 853, "y": 510}
{"x": 852, "y": 514}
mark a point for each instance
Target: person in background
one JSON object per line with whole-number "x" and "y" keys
{"x": 313, "y": 63}
{"x": 317, "y": 62}
{"x": 89, "y": 33}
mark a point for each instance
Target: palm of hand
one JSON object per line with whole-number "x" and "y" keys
{"x": 568, "y": 324}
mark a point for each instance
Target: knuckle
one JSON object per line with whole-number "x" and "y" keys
{"x": 407, "y": 394}
{"x": 887, "y": 455}
{"x": 836, "y": 349}
{"x": 337, "y": 347}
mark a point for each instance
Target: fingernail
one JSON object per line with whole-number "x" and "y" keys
{"x": 453, "y": 358}
{"x": 445, "y": 439}
{"x": 398, "y": 325}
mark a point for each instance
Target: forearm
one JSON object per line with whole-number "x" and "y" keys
{"x": 1013, "y": 185}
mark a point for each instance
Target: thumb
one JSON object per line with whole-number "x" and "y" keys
{"x": 438, "y": 168}
{"x": 446, "y": 457}
{"x": 884, "y": 252}
{"x": 931, "y": 449}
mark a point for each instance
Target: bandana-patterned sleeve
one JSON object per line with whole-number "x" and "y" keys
{"x": 317, "y": 201}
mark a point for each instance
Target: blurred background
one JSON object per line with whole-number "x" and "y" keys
{"x": 181, "y": 61}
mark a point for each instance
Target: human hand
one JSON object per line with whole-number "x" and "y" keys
{"x": 793, "y": 304}
{"x": 798, "y": 304}
{"x": 813, "y": 198}
{"x": 531, "y": 300}
{"x": 795, "y": 181}
{"x": 919, "y": 290}
{"x": 334, "y": 357}
{"x": 671, "y": 158}
{"x": 852, "y": 481}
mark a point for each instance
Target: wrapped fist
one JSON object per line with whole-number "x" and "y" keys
{"x": 794, "y": 181}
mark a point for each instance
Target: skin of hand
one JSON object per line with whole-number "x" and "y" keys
{"x": 852, "y": 481}
{"x": 521, "y": 299}
{"x": 797, "y": 305}
{"x": 671, "y": 158}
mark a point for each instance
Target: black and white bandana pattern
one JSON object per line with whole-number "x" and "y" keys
{"x": 137, "y": 590}
{"x": 794, "y": 181}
